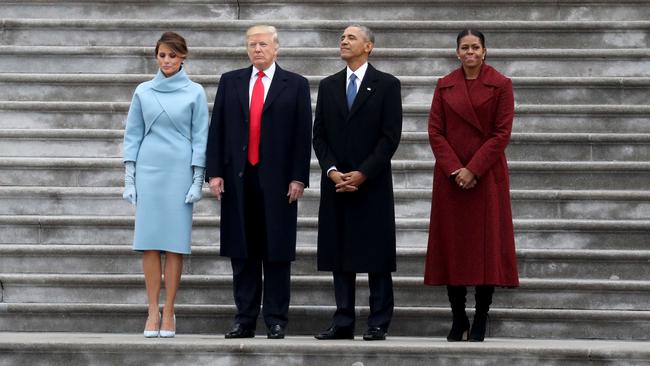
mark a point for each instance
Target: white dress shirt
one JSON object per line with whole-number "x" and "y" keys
{"x": 266, "y": 80}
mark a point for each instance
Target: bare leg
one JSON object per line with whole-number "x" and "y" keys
{"x": 173, "y": 268}
{"x": 152, "y": 272}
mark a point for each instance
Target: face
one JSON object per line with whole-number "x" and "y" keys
{"x": 262, "y": 51}
{"x": 168, "y": 60}
{"x": 354, "y": 44}
{"x": 470, "y": 51}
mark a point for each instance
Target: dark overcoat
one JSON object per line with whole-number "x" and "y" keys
{"x": 471, "y": 239}
{"x": 356, "y": 230}
{"x": 285, "y": 153}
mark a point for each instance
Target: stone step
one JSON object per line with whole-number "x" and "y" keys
{"x": 407, "y": 174}
{"x": 308, "y": 320}
{"x": 529, "y": 118}
{"x": 533, "y": 234}
{"x": 353, "y": 11}
{"x": 76, "y": 349}
{"x": 409, "y": 203}
{"x": 80, "y": 143}
{"x": 326, "y": 33}
{"x": 624, "y": 62}
{"x": 317, "y": 290}
{"x": 415, "y": 89}
{"x": 545, "y": 147}
{"x": 628, "y": 265}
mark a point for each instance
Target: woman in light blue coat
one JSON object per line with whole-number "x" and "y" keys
{"x": 164, "y": 157}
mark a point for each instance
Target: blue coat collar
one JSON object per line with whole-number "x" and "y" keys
{"x": 164, "y": 84}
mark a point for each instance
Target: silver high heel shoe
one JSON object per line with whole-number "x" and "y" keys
{"x": 168, "y": 333}
{"x": 153, "y": 333}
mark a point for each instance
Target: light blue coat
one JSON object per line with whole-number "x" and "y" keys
{"x": 166, "y": 134}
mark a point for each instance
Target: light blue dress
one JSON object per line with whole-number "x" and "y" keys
{"x": 166, "y": 133}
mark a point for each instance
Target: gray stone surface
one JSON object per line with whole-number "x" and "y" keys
{"x": 120, "y": 259}
{"x": 111, "y": 349}
{"x": 415, "y": 89}
{"x": 326, "y": 33}
{"x": 315, "y": 290}
{"x": 578, "y": 168}
{"x": 306, "y": 320}
{"x": 322, "y": 61}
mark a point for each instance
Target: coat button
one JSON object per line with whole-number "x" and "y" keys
{"x": 244, "y": 148}
{"x": 240, "y": 174}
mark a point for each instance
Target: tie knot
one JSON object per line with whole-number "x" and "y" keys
{"x": 260, "y": 74}
{"x": 353, "y": 77}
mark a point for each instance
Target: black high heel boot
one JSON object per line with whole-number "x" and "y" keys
{"x": 479, "y": 324}
{"x": 460, "y": 325}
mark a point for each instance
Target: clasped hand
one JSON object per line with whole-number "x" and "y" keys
{"x": 464, "y": 178}
{"x": 347, "y": 182}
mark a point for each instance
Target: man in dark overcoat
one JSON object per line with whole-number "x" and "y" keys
{"x": 257, "y": 164}
{"x": 357, "y": 129}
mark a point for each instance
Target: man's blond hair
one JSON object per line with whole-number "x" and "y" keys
{"x": 263, "y": 29}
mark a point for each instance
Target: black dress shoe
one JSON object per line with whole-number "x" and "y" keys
{"x": 335, "y": 332}
{"x": 374, "y": 334}
{"x": 276, "y": 331}
{"x": 240, "y": 331}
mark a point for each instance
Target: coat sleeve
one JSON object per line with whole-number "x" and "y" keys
{"x": 446, "y": 157}
{"x": 134, "y": 130}
{"x": 391, "y": 132}
{"x": 324, "y": 154}
{"x": 215, "y": 146}
{"x": 199, "y": 128}
{"x": 496, "y": 145}
{"x": 302, "y": 141}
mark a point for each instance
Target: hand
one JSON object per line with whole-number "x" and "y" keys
{"x": 464, "y": 178}
{"x": 216, "y": 187}
{"x": 129, "y": 193}
{"x": 194, "y": 194}
{"x": 337, "y": 178}
{"x": 352, "y": 179}
{"x": 296, "y": 189}
{"x": 129, "y": 182}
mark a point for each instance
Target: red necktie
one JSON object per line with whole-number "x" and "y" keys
{"x": 257, "y": 104}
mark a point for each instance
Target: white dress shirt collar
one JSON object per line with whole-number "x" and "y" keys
{"x": 266, "y": 80}
{"x": 360, "y": 73}
{"x": 268, "y": 72}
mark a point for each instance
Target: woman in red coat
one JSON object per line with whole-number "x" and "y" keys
{"x": 471, "y": 238}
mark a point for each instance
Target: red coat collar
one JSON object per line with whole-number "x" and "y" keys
{"x": 457, "y": 96}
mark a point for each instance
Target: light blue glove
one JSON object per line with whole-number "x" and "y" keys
{"x": 129, "y": 182}
{"x": 194, "y": 194}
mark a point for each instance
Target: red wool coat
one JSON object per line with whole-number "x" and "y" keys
{"x": 471, "y": 237}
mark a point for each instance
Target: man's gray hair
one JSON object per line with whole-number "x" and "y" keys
{"x": 367, "y": 32}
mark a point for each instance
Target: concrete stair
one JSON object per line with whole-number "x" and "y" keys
{"x": 579, "y": 162}
{"x": 547, "y": 263}
{"x": 111, "y": 349}
{"x": 558, "y": 62}
{"x": 526, "y": 10}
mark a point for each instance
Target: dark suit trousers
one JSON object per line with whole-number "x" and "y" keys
{"x": 381, "y": 299}
{"x": 248, "y": 286}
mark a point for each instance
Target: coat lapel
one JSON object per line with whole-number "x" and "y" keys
{"x": 339, "y": 91}
{"x": 366, "y": 89}
{"x": 278, "y": 83}
{"x": 243, "y": 84}
{"x": 458, "y": 99}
